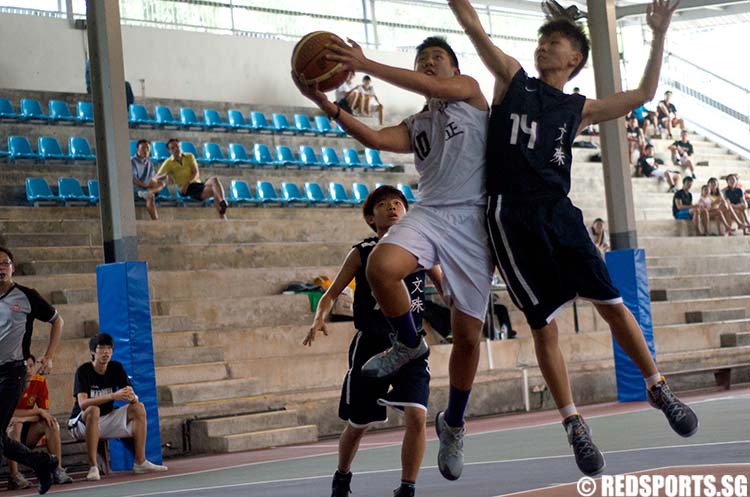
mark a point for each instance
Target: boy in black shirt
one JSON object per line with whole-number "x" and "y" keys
{"x": 667, "y": 115}
{"x": 736, "y": 198}
{"x": 98, "y": 384}
{"x": 647, "y": 167}
{"x": 682, "y": 153}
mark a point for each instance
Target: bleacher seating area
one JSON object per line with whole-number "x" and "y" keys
{"x": 228, "y": 341}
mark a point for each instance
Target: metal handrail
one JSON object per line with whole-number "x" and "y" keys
{"x": 712, "y": 74}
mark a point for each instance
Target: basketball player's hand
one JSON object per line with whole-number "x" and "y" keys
{"x": 351, "y": 56}
{"x": 659, "y": 14}
{"x": 45, "y": 365}
{"x": 309, "y": 90}
{"x": 318, "y": 325}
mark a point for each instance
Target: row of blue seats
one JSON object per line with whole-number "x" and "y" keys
{"x": 59, "y": 113}
{"x": 240, "y": 193}
{"x": 79, "y": 150}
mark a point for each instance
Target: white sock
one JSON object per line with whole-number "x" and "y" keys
{"x": 653, "y": 380}
{"x": 568, "y": 410}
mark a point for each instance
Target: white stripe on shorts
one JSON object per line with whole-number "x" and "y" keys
{"x": 349, "y": 373}
{"x": 506, "y": 245}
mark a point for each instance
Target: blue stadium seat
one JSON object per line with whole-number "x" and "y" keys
{"x": 212, "y": 120}
{"x": 19, "y": 148}
{"x": 291, "y": 195}
{"x": 69, "y": 190}
{"x": 60, "y": 112}
{"x": 238, "y": 155}
{"x": 166, "y": 196}
{"x": 323, "y": 125}
{"x": 7, "y": 113}
{"x": 260, "y": 123}
{"x": 37, "y": 190}
{"x": 372, "y": 158}
{"x": 408, "y": 193}
{"x": 164, "y": 117}
{"x": 79, "y": 150}
{"x": 240, "y": 194}
{"x": 48, "y": 149}
{"x": 331, "y": 158}
{"x": 212, "y": 154}
{"x": 134, "y": 147}
{"x": 189, "y": 148}
{"x": 159, "y": 152}
{"x": 337, "y": 194}
{"x": 308, "y": 158}
{"x": 359, "y": 192}
{"x": 267, "y": 193}
{"x": 31, "y": 110}
{"x": 281, "y": 124}
{"x": 351, "y": 158}
{"x": 138, "y": 117}
{"x": 189, "y": 120}
{"x": 339, "y": 130}
{"x": 263, "y": 156}
{"x": 85, "y": 112}
{"x": 237, "y": 121}
{"x": 285, "y": 157}
{"x": 303, "y": 125}
{"x": 315, "y": 195}
{"x": 93, "y": 186}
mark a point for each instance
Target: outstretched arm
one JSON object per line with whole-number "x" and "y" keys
{"x": 500, "y": 64}
{"x": 658, "y": 16}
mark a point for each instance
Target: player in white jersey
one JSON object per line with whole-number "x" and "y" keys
{"x": 447, "y": 227}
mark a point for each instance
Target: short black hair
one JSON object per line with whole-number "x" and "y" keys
{"x": 7, "y": 252}
{"x": 172, "y": 140}
{"x": 688, "y": 178}
{"x": 378, "y": 194}
{"x": 366, "y": 78}
{"x": 32, "y": 357}
{"x": 440, "y": 42}
{"x": 143, "y": 140}
{"x": 649, "y": 146}
{"x": 104, "y": 339}
{"x": 598, "y": 220}
{"x": 574, "y": 33}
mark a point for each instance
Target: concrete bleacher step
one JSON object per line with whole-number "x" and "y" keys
{"x": 52, "y": 267}
{"x": 193, "y": 373}
{"x": 76, "y": 318}
{"x": 715, "y": 315}
{"x": 179, "y": 340}
{"x": 674, "y": 312}
{"x": 243, "y": 423}
{"x": 45, "y": 240}
{"x": 722, "y": 284}
{"x": 670, "y": 294}
{"x": 59, "y": 253}
{"x": 281, "y": 375}
{"x": 48, "y": 284}
{"x": 73, "y": 296}
{"x": 168, "y": 324}
{"x": 663, "y": 246}
{"x": 704, "y": 264}
{"x": 276, "y": 437}
{"x": 662, "y": 271}
{"x": 175, "y": 356}
{"x": 206, "y": 390}
{"x": 740, "y": 339}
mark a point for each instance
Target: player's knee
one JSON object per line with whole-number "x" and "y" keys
{"x": 611, "y": 313}
{"x": 137, "y": 409}
{"x": 414, "y": 418}
{"x": 91, "y": 413}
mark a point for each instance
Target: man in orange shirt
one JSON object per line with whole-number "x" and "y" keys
{"x": 32, "y": 423}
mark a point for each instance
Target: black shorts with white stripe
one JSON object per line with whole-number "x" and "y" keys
{"x": 364, "y": 400}
{"x": 546, "y": 257}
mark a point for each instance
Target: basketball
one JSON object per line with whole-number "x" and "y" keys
{"x": 308, "y": 58}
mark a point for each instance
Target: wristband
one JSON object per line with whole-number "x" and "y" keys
{"x": 338, "y": 112}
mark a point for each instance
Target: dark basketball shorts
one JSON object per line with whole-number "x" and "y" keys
{"x": 195, "y": 190}
{"x": 546, "y": 257}
{"x": 364, "y": 400}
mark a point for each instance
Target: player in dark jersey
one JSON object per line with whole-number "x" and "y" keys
{"x": 363, "y": 398}
{"x": 539, "y": 239}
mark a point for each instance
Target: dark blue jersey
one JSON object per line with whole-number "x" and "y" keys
{"x": 367, "y": 314}
{"x": 529, "y": 141}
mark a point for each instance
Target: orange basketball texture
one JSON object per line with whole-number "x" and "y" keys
{"x": 308, "y": 58}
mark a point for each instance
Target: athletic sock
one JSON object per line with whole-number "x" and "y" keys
{"x": 568, "y": 411}
{"x": 457, "y": 402}
{"x": 653, "y": 380}
{"x": 405, "y": 329}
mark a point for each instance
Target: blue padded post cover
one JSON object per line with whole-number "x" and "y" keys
{"x": 125, "y": 313}
{"x": 628, "y": 271}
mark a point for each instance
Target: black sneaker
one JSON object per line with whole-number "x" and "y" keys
{"x": 404, "y": 491}
{"x": 588, "y": 457}
{"x": 340, "y": 484}
{"x": 681, "y": 418}
{"x": 45, "y": 473}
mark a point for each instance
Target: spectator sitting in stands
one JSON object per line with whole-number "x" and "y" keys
{"x": 31, "y": 422}
{"x": 143, "y": 177}
{"x": 347, "y": 95}
{"x": 668, "y": 117}
{"x": 598, "y": 234}
{"x": 682, "y": 153}
{"x": 98, "y": 384}
{"x": 636, "y": 139}
{"x": 369, "y": 101}
{"x": 709, "y": 213}
{"x": 736, "y": 199}
{"x": 648, "y": 167}
{"x": 646, "y": 119}
{"x": 682, "y": 204}
{"x": 184, "y": 171}
{"x": 718, "y": 201}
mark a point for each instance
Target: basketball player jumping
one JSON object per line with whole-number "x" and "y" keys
{"x": 539, "y": 240}
{"x": 448, "y": 138}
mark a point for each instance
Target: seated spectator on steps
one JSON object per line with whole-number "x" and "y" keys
{"x": 667, "y": 115}
{"x": 682, "y": 153}
{"x": 736, "y": 199}
{"x": 718, "y": 201}
{"x": 646, "y": 120}
{"x": 183, "y": 169}
{"x": 143, "y": 177}
{"x": 682, "y": 204}
{"x": 598, "y": 234}
{"x": 647, "y": 167}
{"x": 32, "y": 423}
{"x": 369, "y": 101}
{"x": 710, "y": 213}
{"x": 347, "y": 95}
{"x": 98, "y": 384}
{"x": 636, "y": 138}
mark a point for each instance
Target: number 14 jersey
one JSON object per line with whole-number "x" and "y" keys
{"x": 529, "y": 144}
{"x": 449, "y": 141}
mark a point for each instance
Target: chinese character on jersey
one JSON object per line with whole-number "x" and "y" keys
{"x": 417, "y": 305}
{"x": 417, "y": 284}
